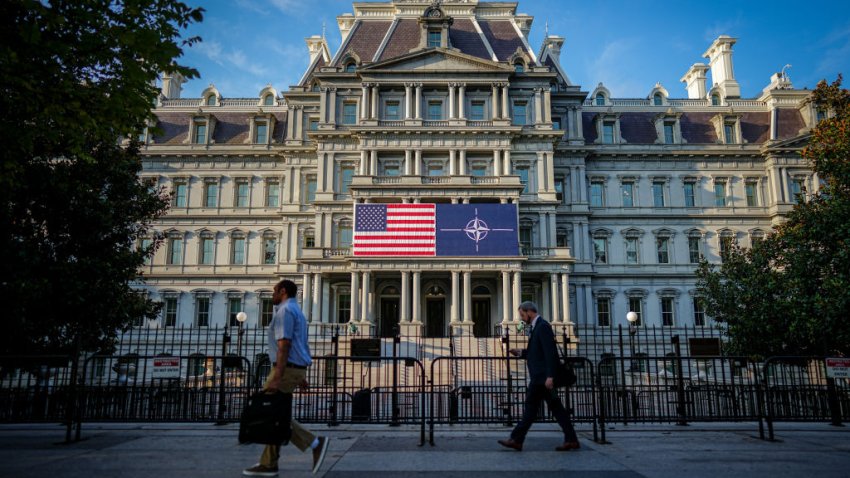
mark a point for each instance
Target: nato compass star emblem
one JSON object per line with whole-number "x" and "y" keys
{"x": 476, "y": 230}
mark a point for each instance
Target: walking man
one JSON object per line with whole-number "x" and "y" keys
{"x": 542, "y": 360}
{"x": 290, "y": 354}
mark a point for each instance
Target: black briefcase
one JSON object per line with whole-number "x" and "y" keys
{"x": 267, "y": 419}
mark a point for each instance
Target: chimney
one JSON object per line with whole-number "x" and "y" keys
{"x": 694, "y": 81}
{"x": 719, "y": 56}
{"x": 172, "y": 85}
{"x": 346, "y": 23}
{"x": 316, "y": 45}
{"x": 553, "y": 43}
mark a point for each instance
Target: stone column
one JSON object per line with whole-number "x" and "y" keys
{"x": 494, "y": 106}
{"x": 323, "y": 104}
{"x": 506, "y": 113}
{"x": 452, "y": 97}
{"x": 462, "y": 162}
{"x": 317, "y": 298}
{"x": 452, "y": 162}
{"x": 306, "y": 297}
{"x": 455, "y": 297}
{"x": 467, "y": 297}
{"x": 554, "y": 293}
{"x": 375, "y": 97}
{"x": 364, "y": 162}
{"x": 355, "y": 297}
{"x": 417, "y": 301}
{"x": 367, "y": 304}
{"x": 364, "y": 102}
{"x": 497, "y": 163}
{"x": 547, "y": 106}
{"x": 332, "y": 106}
{"x": 538, "y": 106}
{"x": 550, "y": 171}
{"x": 407, "y": 162}
{"x": 517, "y": 289}
{"x": 408, "y": 104}
{"x": 417, "y": 162}
{"x": 541, "y": 172}
{"x": 506, "y": 162}
{"x": 404, "y": 316}
{"x": 565, "y": 298}
{"x": 290, "y": 122}
{"x": 418, "y": 106}
{"x": 461, "y": 100}
{"x": 373, "y": 162}
{"x": 553, "y": 229}
{"x": 507, "y": 305}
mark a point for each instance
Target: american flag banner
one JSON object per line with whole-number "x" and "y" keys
{"x": 394, "y": 230}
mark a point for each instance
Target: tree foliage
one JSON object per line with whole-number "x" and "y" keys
{"x": 790, "y": 294}
{"x": 76, "y": 76}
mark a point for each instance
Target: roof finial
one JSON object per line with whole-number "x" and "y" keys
{"x": 546, "y": 33}
{"x": 324, "y": 27}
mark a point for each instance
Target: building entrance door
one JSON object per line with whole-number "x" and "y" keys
{"x": 481, "y": 317}
{"x": 389, "y": 317}
{"x": 435, "y": 315}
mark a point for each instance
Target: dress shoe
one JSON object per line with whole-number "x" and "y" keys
{"x": 510, "y": 443}
{"x": 568, "y": 445}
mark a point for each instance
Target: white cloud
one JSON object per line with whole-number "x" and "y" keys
{"x": 253, "y": 6}
{"x": 612, "y": 66}
{"x": 729, "y": 27}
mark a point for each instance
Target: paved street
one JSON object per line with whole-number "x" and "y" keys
{"x": 189, "y": 450}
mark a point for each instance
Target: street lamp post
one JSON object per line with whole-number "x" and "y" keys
{"x": 241, "y": 317}
{"x": 632, "y": 318}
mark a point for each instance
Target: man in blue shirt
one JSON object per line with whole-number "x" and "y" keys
{"x": 290, "y": 354}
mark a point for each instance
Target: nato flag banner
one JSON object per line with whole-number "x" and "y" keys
{"x": 477, "y": 230}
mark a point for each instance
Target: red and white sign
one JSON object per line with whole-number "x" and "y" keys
{"x": 838, "y": 367}
{"x": 166, "y": 367}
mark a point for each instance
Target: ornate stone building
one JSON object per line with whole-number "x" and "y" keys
{"x": 448, "y": 103}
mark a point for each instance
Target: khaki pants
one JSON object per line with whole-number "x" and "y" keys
{"x": 301, "y": 437}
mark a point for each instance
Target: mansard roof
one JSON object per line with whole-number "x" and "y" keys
{"x": 364, "y": 40}
{"x": 403, "y": 38}
{"x": 230, "y": 128}
{"x": 503, "y": 38}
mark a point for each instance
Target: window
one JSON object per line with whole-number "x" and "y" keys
{"x": 344, "y": 234}
{"x": 636, "y": 306}
{"x": 349, "y": 112}
{"x": 523, "y": 179}
{"x": 668, "y": 133}
{"x": 658, "y": 193}
{"x": 519, "y": 67}
{"x": 272, "y": 194}
{"x": 600, "y": 250}
{"x": 797, "y": 187}
{"x": 435, "y": 110}
{"x": 725, "y": 242}
{"x": 525, "y": 237}
{"x": 559, "y": 189}
{"x": 479, "y": 169}
{"x": 597, "y": 194}
{"x": 729, "y": 133}
{"x": 237, "y": 253}
{"x": 434, "y": 38}
{"x": 350, "y": 67}
{"x": 261, "y": 132}
{"x": 309, "y": 238}
{"x": 750, "y": 192}
{"x": 392, "y": 110}
{"x": 207, "y": 250}
{"x": 476, "y": 110}
{"x": 175, "y": 250}
{"x": 694, "y": 252}
{"x": 820, "y": 115}
{"x": 169, "y": 312}
{"x": 200, "y": 133}
{"x": 210, "y": 194}
{"x": 756, "y": 237}
{"x": 603, "y": 312}
{"x": 314, "y": 124}
{"x": 343, "y": 308}
{"x": 662, "y": 245}
{"x": 391, "y": 169}
{"x": 266, "y": 311}
{"x": 699, "y": 312}
{"x": 144, "y": 245}
{"x": 346, "y": 174}
{"x": 520, "y": 113}
{"x": 657, "y": 100}
{"x": 715, "y": 100}
{"x": 608, "y": 132}
{"x": 310, "y": 189}
{"x": 600, "y": 99}
{"x": 627, "y": 190}
{"x": 631, "y": 250}
{"x": 211, "y": 100}
{"x": 720, "y": 193}
{"x": 435, "y": 169}
{"x": 202, "y": 314}
{"x": 242, "y": 194}
{"x": 180, "y": 194}
{"x": 234, "y": 306}
{"x": 269, "y": 250}
{"x": 556, "y": 123}
{"x": 562, "y": 238}
{"x": 690, "y": 197}
{"x": 667, "y": 319}
{"x": 268, "y": 100}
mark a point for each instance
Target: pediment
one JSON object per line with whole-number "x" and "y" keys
{"x": 797, "y": 142}
{"x": 437, "y": 60}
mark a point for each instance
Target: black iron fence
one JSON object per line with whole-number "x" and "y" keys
{"x": 458, "y": 379}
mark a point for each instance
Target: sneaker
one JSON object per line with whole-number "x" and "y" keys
{"x": 260, "y": 470}
{"x": 319, "y": 453}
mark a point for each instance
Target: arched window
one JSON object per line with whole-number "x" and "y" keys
{"x": 656, "y": 99}
{"x": 315, "y": 87}
{"x": 350, "y": 67}
{"x": 480, "y": 290}
{"x": 600, "y": 99}
{"x": 211, "y": 100}
{"x": 519, "y": 67}
{"x": 715, "y": 100}
{"x": 268, "y": 100}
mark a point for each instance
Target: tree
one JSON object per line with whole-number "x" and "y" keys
{"x": 76, "y": 76}
{"x": 790, "y": 294}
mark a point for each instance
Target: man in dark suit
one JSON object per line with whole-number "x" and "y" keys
{"x": 542, "y": 360}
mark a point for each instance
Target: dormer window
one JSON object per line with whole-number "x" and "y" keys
{"x": 435, "y": 38}
{"x": 350, "y": 67}
{"x": 600, "y": 99}
{"x": 211, "y": 100}
{"x": 519, "y": 67}
{"x": 199, "y": 131}
{"x": 729, "y": 132}
{"x": 668, "y": 129}
{"x": 261, "y": 132}
{"x": 268, "y": 100}
{"x": 728, "y": 128}
{"x": 657, "y": 100}
{"x": 715, "y": 100}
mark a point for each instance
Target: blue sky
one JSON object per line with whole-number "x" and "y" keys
{"x": 627, "y": 45}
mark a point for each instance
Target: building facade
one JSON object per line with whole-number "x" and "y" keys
{"x": 617, "y": 199}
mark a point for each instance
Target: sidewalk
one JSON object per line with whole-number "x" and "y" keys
{"x": 208, "y": 451}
